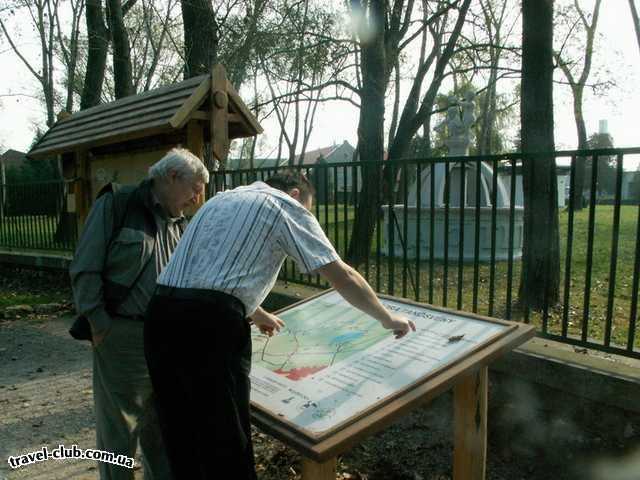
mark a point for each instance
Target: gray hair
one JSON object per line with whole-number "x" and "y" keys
{"x": 181, "y": 161}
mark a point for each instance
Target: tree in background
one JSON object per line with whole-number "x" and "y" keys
{"x": 123, "y": 76}
{"x": 576, "y": 21}
{"x": 540, "y": 278}
{"x": 297, "y": 57}
{"x": 97, "y": 48}
{"x": 105, "y": 27}
{"x": 382, "y": 28}
{"x": 200, "y": 37}
{"x": 44, "y": 16}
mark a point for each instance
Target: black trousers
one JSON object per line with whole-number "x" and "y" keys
{"x": 198, "y": 350}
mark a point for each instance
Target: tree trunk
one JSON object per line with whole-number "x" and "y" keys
{"x": 581, "y": 165}
{"x": 97, "y": 55}
{"x": 370, "y": 135}
{"x": 488, "y": 118}
{"x": 123, "y": 76}
{"x": 200, "y": 37}
{"x": 540, "y": 279}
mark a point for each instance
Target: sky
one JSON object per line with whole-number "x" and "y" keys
{"x": 335, "y": 122}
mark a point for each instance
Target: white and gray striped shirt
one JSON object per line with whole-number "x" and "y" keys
{"x": 239, "y": 239}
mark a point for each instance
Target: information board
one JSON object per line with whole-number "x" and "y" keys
{"x": 331, "y": 363}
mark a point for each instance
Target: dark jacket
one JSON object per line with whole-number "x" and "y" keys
{"x": 119, "y": 239}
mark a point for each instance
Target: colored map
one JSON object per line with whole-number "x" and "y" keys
{"x": 321, "y": 335}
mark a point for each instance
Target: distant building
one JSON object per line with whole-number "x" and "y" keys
{"x": 330, "y": 183}
{"x": 11, "y": 159}
{"x": 337, "y": 183}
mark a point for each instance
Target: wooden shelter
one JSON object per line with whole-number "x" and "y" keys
{"x": 120, "y": 140}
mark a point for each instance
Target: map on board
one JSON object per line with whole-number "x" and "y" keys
{"x": 317, "y": 337}
{"x": 332, "y": 362}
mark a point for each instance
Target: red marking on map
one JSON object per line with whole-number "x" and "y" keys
{"x": 299, "y": 373}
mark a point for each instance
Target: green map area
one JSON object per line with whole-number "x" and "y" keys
{"x": 316, "y": 336}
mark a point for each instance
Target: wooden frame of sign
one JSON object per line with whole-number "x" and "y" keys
{"x": 467, "y": 375}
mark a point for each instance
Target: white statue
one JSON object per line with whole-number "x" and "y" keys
{"x": 457, "y": 128}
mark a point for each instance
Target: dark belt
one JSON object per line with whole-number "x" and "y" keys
{"x": 212, "y": 297}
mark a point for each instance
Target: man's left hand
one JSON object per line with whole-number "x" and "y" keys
{"x": 267, "y": 322}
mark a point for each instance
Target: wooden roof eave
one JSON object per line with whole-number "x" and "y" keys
{"x": 44, "y": 153}
{"x": 197, "y": 98}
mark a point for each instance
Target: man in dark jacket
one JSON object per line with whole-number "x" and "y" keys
{"x": 126, "y": 241}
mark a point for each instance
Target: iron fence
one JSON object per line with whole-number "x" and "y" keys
{"x": 33, "y": 217}
{"x": 446, "y": 231}
{"x": 449, "y": 231}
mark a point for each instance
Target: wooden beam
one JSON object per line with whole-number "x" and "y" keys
{"x": 470, "y": 430}
{"x": 197, "y": 98}
{"x": 199, "y": 115}
{"x": 195, "y": 144}
{"x": 319, "y": 471}
{"x": 82, "y": 187}
{"x": 219, "y": 114}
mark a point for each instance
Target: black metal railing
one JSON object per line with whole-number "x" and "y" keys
{"x": 455, "y": 238}
{"x": 33, "y": 217}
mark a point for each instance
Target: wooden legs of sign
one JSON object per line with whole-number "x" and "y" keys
{"x": 470, "y": 432}
{"x": 470, "y": 427}
{"x": 319, "y": 471}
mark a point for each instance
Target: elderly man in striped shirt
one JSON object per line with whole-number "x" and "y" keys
{"x": 197, "y": 339}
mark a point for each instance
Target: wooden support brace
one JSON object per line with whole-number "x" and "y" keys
{"x": 470, "y": 430}
{"x": 82, "y": 188}
{"x": 195, "y": 144}
{"x": 319, "y": 471}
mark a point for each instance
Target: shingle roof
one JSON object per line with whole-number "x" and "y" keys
{"x": 157, "y": 111}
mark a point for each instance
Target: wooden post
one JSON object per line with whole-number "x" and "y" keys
{"x": 219, "y": 114}
{"x": 82, "y": 188}
{"x": 195, "y": 144}
{"x": 470, "y": 430}
{"x": 319, "y": 471}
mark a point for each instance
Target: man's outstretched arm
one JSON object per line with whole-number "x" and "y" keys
{"x": 355, "y": 290}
